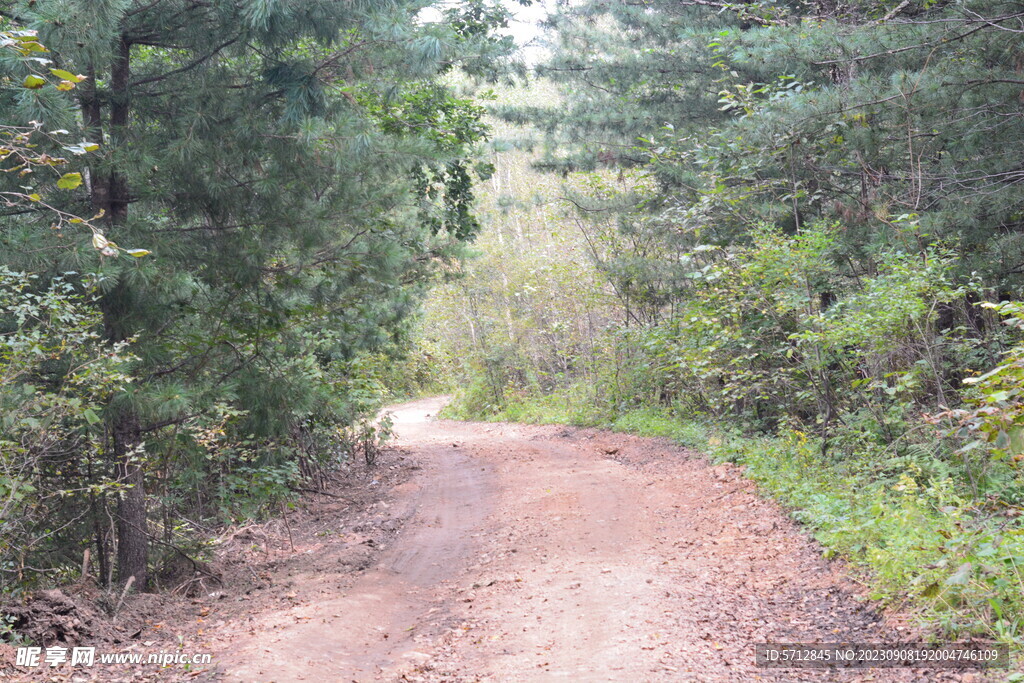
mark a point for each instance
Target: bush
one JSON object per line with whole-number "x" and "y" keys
{"x": 56, "y": 376}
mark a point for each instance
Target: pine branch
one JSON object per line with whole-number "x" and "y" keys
{"x": 899, "y": 50}
{"x": 895, "y": 10}
{"x": 188, "y": 67}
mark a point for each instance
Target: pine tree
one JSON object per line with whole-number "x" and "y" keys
{"x": 859, "y": 112}
{"x": 287, "y": 174}
{"x": 897, "y": 123}
{"x": 627, "y": 70}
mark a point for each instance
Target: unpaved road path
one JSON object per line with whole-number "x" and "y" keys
{"x": 550, "y": 553}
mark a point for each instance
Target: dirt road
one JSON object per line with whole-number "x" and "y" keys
{"x": 549, "y": 553}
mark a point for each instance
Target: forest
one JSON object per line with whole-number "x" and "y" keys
{"x": 787, "y": 235}
{"x": 216, "y": 213}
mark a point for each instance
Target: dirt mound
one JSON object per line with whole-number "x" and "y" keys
{"x": 52, "y": 617}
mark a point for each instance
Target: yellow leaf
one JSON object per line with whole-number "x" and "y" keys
{"x": 69, "y": 181}
{"x": 67, "y": 76}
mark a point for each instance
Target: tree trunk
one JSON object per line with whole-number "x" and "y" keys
{"x": 102, "y": 540}
{"x": 120, "y": 105}
{"x": 111, "y": 193}
{"x": 132, "y": 533}
{"x": 92, "y": 117}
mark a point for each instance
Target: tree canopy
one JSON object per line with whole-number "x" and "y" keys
{"x": 272, "y": 186}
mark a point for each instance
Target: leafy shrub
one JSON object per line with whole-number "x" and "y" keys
{"x": 56, "y": 376}
{"x": 990, "y": 425}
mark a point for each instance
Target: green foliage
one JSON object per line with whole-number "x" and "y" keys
{"x": 9, "y": 635}
{"x": 990, "y": 425}
{"x": 785, "y": 241}
{"x": 56, "y": 377}
{"x": 289, "y": 178}
{"x": 777, "y": 329}
{"x": 429, "y": 112}
{"x": 903, "y": 520}
{"x": 504, "y": 326}
{"x": 788, "y": 114}
{"x": 654, "y": 421}
{"x": 32, "y": 154}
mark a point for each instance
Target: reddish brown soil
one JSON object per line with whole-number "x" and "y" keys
{"x": 485, "y": 552}
{"x": 547, "y": 553}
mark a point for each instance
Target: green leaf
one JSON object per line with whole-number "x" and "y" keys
{"x": 69, "y": 181}
{"x": 34, "y": 197}
{"x": 33, "y": 82}
{"x": 90, "y": 416}
{"x": 961, "y": 576}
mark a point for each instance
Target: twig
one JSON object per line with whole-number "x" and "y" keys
{"x": 299, "y": 489}
{"x": 196, "y": 566}
{"x": 895, "y": 10}
{"x": 183, "y": 587}
{"x": 287, "y": 526}
{"x": 124, "y": 594}
{"x": 85, "y": 565}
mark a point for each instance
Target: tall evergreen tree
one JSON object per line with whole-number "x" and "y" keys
{"x": 897, "y": 122}
{"x": 288, "y": 171}
{"x": 787, "y": 112}
{"x": 628, "y": 69}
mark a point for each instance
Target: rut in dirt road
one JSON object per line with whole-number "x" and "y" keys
{"x": 548, "y": 553}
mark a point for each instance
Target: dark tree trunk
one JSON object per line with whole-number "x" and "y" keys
{"x": 92, "y": 117}
{"x": 132, "y": 533}
{"x": 945, "y": 318}
{"x": 120, "y": 105}
{"x": 101, "y": 537}
{"x": 110, "y": 193}
{"x": 975, "y": 314}
{"x": 102, "y": 554}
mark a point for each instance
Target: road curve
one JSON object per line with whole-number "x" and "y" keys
{"x": 551, "y": 553}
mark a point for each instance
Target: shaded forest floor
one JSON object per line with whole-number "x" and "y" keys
{"x": 499, "y": 552}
